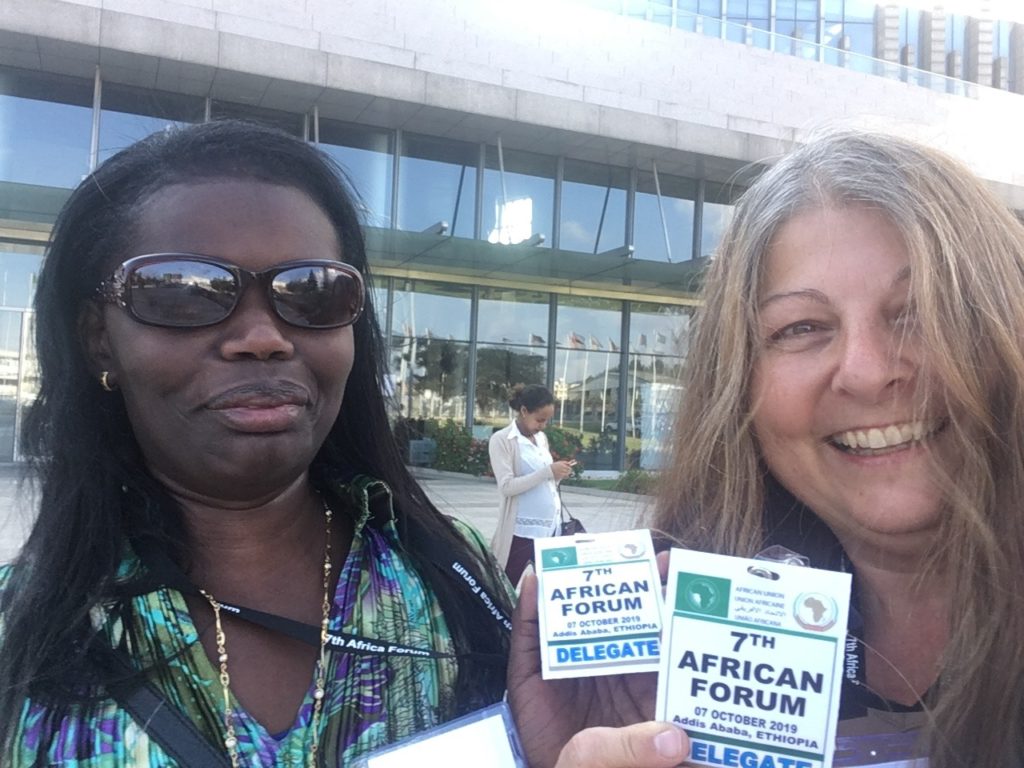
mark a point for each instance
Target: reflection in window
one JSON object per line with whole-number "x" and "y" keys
{"x": 521, "y": 205}
{"x": 717, "y": 212}
{"x": 849, "y": 25}
{"x": 796, "y": 20}
{"x": 676, "y": 205}
{"x": 593, "y": 211}
{"x": 499, "y": 367}
{"x": 437, "y": 183}
{"x": 741, "y": 13}
{"x": 587, "y": 375}
{"x": 657, "y": 348}
{"x": 129, "y": 114}
{"x": 19, "y": 377}
{"x": 19, "y": 269}
{"x": 429, "y": 349}
{"x": 45, "y": 129}
{"x": 511, "y": 316}
{"x": 909, "y": 31}
{"x": 366, "y": 155}
{"x": 710, "y": 10}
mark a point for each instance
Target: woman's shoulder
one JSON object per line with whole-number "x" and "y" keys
{"x": 472, "y": 536}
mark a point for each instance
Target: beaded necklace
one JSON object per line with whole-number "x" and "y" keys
{"x": 230, "y": 738}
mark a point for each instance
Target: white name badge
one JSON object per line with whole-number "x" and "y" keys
{"x": 599, "y": 598}
{"x": 752, "y": 660}
{"x": 483, "y": 739}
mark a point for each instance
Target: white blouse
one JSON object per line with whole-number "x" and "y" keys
{"x": 536, "y": 509}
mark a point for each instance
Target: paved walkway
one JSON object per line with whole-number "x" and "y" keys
{"x": 471, "y": 498}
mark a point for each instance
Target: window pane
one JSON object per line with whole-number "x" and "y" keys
{"x": 429, "y": 349}
{"x": 437, "y": 182}
{"x": 676, "y": 204}
{"x": 587, "y": 375}
{"x": 19, "y": 269}
{"x": 499, "y": 367}
{"x": 593, "y": 207}
{"x": 510, "y": 316}
{"x": 524, "y": 205}
{"x": 657, "y": 348}
{"x": 718, "y": 209}
{"x": 429, "y": 378}
{"x": 18, "y": 376}
{"x": 366, "y": 155}
{"x": 45, "y": 129}
{"x": 130, "y": 114}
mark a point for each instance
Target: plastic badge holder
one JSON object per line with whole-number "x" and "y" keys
{"x": 486, "y": 738}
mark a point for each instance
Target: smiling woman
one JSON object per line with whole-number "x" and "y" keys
{"x": 855, "y": 392}
{"x": 222, "y": 503}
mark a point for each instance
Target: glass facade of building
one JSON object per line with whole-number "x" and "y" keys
{"x": 456, "y": 344}
{"x": 841, "y": 33}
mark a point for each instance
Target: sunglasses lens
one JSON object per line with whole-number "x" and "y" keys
{"x": 182, "y": 293}
{"x": 317, "y": 295}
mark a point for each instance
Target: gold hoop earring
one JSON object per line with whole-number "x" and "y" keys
{"x": 105, "y": 382}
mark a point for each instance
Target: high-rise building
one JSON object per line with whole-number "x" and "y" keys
{"x": 542, "y": 181}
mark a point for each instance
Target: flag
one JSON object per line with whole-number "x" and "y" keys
{"x": 643, "y": 340}
{"x": 660, "y": 338}
{"x": 613, "y": 345}
{"x": 536, "y": 341}
{"x": 594, "y": 343}
{"x": 576, "y": 341}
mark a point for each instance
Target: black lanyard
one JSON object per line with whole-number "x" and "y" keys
{"x": 164, "y": 572}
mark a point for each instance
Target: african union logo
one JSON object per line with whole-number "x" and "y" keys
{"x": 558, "y": 557}
{"x": 815, "y": 611}
{"x": 632, "y": 549}
{"x": 697, "y": 593}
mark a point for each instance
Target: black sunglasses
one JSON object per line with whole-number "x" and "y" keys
{"x": 186, "y": 290}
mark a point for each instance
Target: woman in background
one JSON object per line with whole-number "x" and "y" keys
{"x": 527, "y": 477}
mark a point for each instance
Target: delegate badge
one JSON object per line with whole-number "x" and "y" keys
{"x": 599, "y": 599}
{"x": 753, "y": 659}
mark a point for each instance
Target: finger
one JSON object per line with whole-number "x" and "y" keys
{"x": 524, "y": 654}
{"x": 644, "y": 745}
{"x": 662, "y": 559}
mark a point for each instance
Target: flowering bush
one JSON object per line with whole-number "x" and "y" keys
{"x": 564, "y": 445}
{"x": 457, "y": 450}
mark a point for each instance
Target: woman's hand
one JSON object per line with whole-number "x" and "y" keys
{"x": 552, "y": 715}
{"x": 644, "y": 745}
{"x": 561, "y": 469}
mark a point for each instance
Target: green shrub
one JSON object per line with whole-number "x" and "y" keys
{"x": 637, "y": 481}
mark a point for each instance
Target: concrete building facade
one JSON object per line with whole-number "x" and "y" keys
{"x": 542, "y": 181}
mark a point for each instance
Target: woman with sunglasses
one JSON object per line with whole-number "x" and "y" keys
{"x": 225, "y": 523}
{"x": 231, "y": 565}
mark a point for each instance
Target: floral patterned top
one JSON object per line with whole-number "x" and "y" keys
{"x": 371, "y": 700}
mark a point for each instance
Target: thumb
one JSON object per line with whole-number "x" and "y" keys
{"x": 644, "y": 745}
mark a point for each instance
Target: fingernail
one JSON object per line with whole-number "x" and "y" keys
{"x": 669, "y": 744}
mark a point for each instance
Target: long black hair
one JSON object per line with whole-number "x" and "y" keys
{"x": 96, "y": 497}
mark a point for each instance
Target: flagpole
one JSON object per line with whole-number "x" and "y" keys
{"x": 632, "y": 407}
{"x": 583, "y": 386}
{"x": 565, "y": 378}
{"x": 604, "y": 391}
